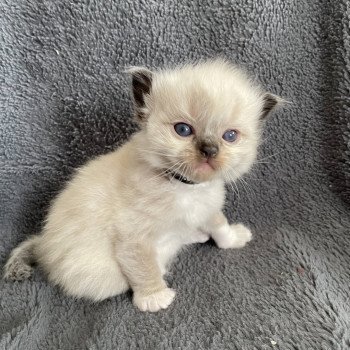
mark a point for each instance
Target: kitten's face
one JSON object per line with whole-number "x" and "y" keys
{"x": 202, "y": 122}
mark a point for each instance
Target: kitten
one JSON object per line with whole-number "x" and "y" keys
{"x": 124, "y": 216}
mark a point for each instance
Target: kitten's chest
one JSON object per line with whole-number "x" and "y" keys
{"x": 194, "y": 204}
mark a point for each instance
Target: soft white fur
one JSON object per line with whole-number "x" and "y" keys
{"x": 121, "y": 219}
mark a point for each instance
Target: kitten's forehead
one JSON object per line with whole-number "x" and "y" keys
{"x": 213, "y": 93}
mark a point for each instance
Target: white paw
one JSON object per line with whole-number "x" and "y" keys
{"x": 154, "y": 302}
{"x": 236, "y": 237}
{"x": 200, "y": 237}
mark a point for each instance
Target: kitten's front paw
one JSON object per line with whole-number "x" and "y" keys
{"x": 154, "y": 302}
{"x": 200, "y": 237}
{"x": 237, "y": 237}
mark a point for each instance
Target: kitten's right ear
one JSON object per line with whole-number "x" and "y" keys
{"x": 141, "y": 88}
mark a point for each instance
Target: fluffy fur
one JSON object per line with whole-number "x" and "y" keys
{"x": 123, "y": 217}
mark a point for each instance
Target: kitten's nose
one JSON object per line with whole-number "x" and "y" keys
{"x": 208, "y": 150}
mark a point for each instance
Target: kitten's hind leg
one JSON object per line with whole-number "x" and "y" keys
{"x": 93, "y": 282}
{"x": 225, "y": 235}
{"x": 82, "y": 269}
{"x": 138, "y": 263}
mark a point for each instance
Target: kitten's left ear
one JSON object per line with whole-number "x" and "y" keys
{"x": 270, "y": 103}
{"x": 141, "y": 87}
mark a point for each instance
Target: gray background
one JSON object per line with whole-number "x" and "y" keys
{"x": 64, "y": 99}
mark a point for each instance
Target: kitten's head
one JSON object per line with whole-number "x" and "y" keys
{"x": 201, "y": 121}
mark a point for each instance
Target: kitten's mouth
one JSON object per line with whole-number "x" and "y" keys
{"x": 206, "y": 165}
{"x": 201, "y": 171}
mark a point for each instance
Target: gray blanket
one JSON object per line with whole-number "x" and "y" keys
{"x": 64, "y": 99}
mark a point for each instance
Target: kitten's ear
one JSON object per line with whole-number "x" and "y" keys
{"x": 270, "y": 103}
{"x": 141, "y": 87}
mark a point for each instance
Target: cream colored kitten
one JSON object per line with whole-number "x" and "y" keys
{"x": 125, "y": 215}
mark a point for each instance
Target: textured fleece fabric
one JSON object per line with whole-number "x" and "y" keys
{"x": 65, "y": 99}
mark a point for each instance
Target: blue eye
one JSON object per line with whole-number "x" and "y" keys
{"x": 230, "y": 135}
{"x": 183, "y": 129}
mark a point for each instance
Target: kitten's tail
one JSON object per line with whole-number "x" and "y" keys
{"x": 19, "y": 265}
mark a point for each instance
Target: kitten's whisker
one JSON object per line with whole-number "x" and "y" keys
{"x": 272, "y": 155}
{"x": 231, "y": 182}
{"x": 187, "y": 169}
{"x": 164, "y": 172}
{"x": 159, "y": 153}
{"x": 244, "y": 183}
{"x": 246, "y": 187}
{"x": 256, "y": 162}
{"x": 265, "y": 140}
{"x": 176, "y": 169}
{"x": 179, "y": 169}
